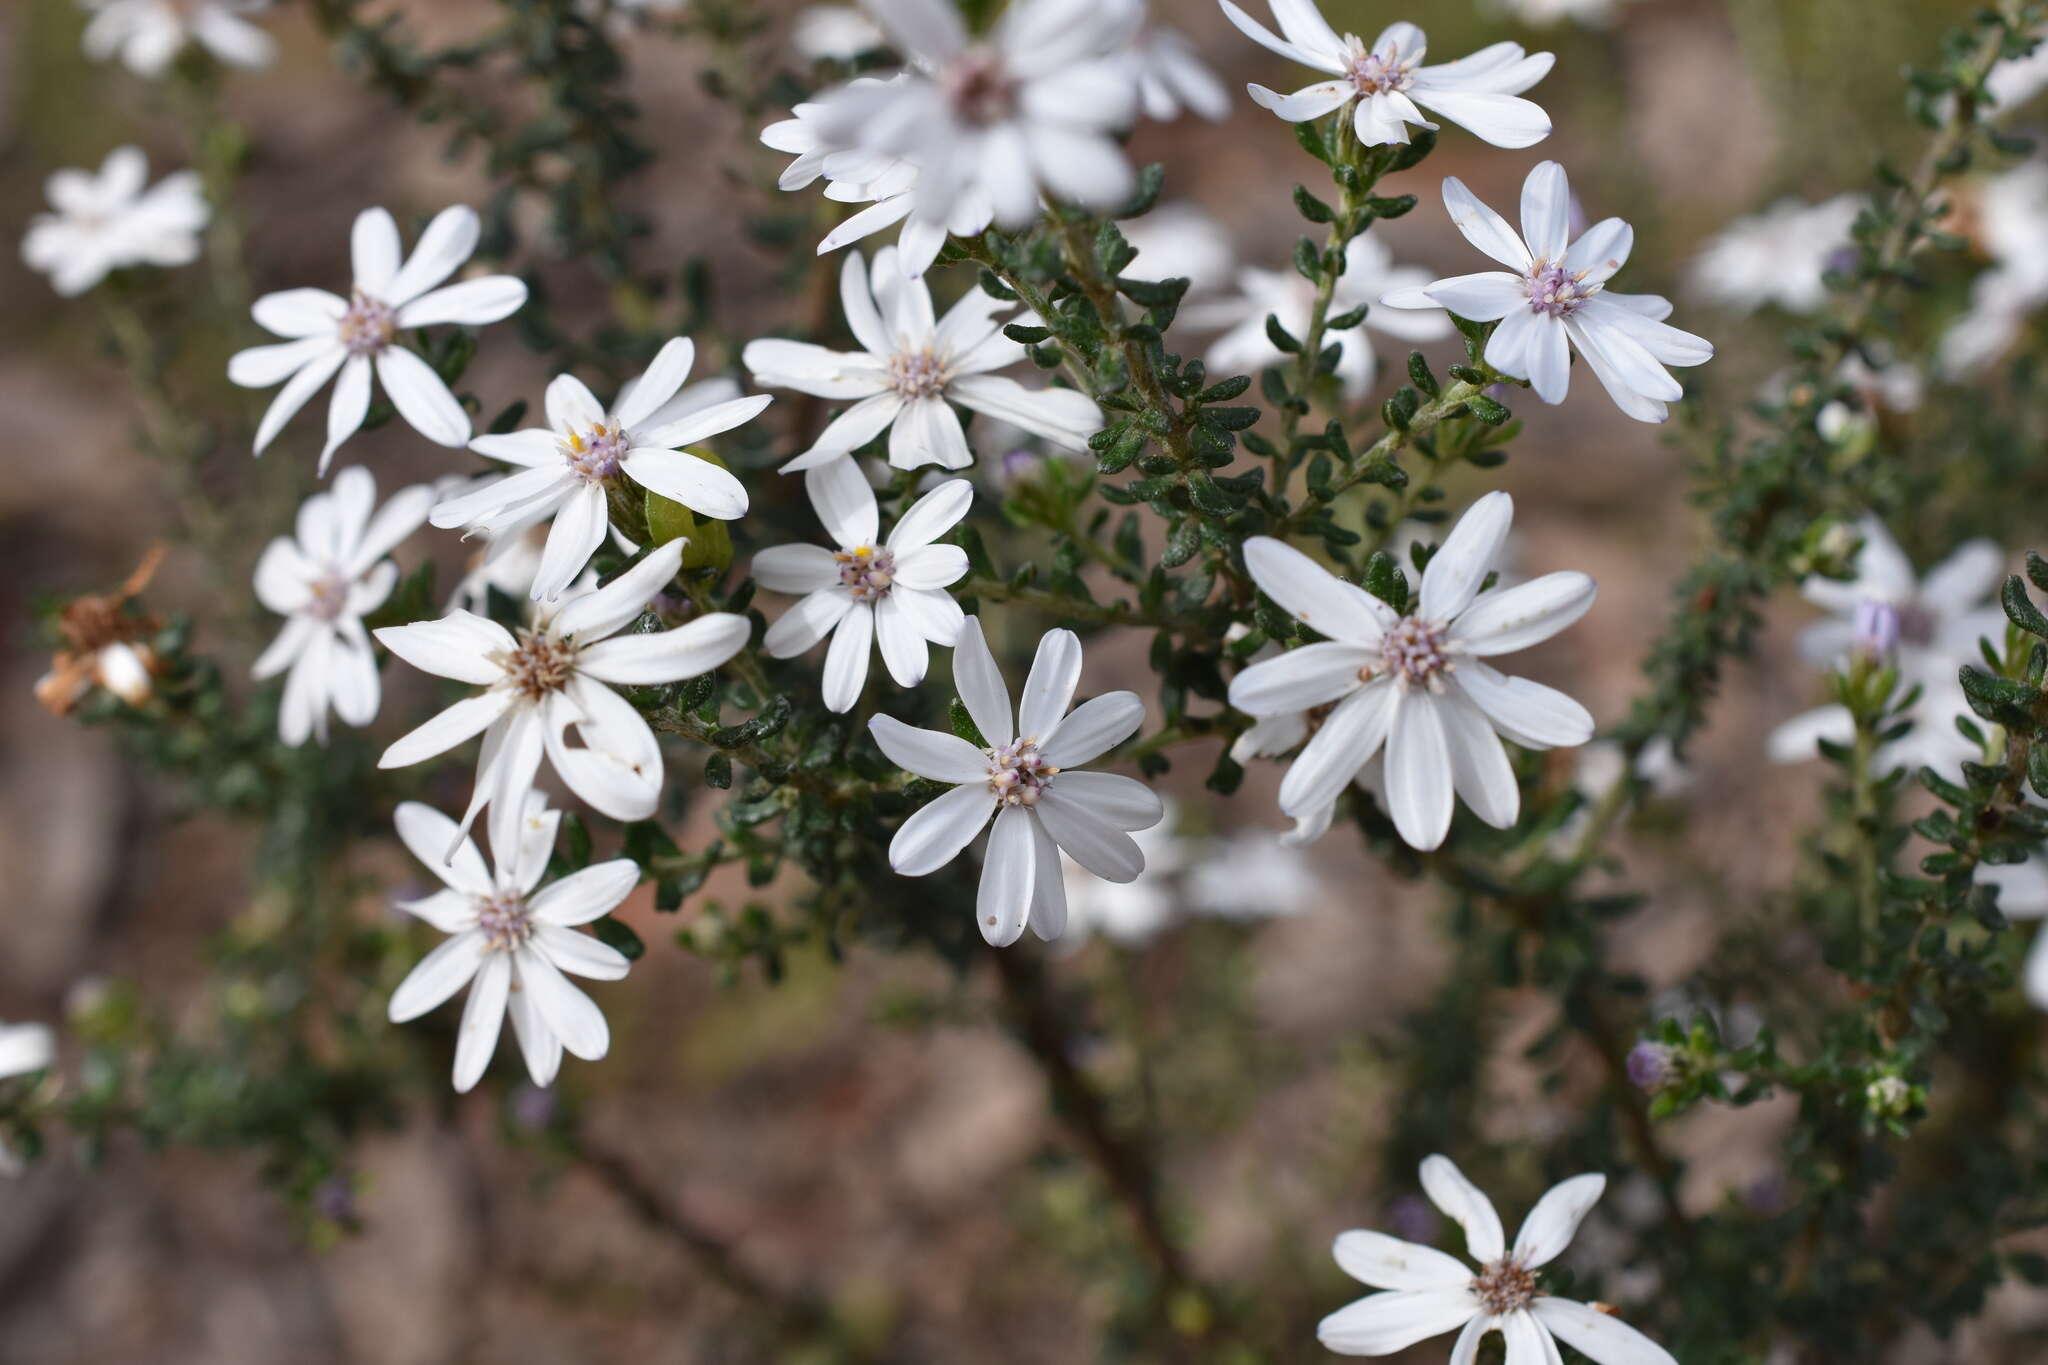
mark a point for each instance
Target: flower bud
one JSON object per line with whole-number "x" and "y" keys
{"x": 1649, "y": 1066}
{"x": 707, "y": 542}
{"x": 1877, "y": 630}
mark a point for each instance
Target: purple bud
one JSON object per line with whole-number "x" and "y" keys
{"x": 1649, "y": 1064}
{"x": 1412, "y": 1218}
{"x": 335, "y": 1199}
{"x": 1767, "y": 1194}
{"x": 1877, "y": 629}
{"x": 1019, "y": 463}
{"x": 533, "y": 1108}
{"x": 1840, "y": 261}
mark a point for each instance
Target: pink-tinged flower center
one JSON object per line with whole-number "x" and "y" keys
{"x": 539, "y": 665}
{"x": 368, "y": 326}
{"x": 1504, "y": 1286}
{"x": 867, "y": 572}
{"x": 1373, "y": 74}
{"x": 980, "y": 90}
{"x": 1415, "y": 654}
{"x": 327, "y": 595}
{"x": 916, "y": 375}
{"x": 1018, "y": 774}
{"x": 594, "y": 454}
{"x": 1555, "y": 292}
{"x": 505, "y": 921}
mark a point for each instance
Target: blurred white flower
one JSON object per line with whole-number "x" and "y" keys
{"x": 26, "y": 1048}
{"x": 555, "y": 677}
{"x": 1936, "y": 621}
{"x": 105, "y": 220}
{"x": 1776, "y": 257}
{"x": 1554, "y": 297}
{"x": 1172, "y": 76}
{"x": 1251, "y": 875}
{"x": 1429, "y": 1293}
{"x": 1543, "y": 13}
{"x": 1032, "y": 108}
{"x": 1392, "y": 87}
{"x": 148, "y": 34}
{"x": 1028, "y": 779}
{"x": 323, "y": 580}
{"x": 833, "y": 33}
{"x": 330, "y": 335}
{"x": 1419, "y": 684}
{"x": 2011, "y": 224}
{"x": 867, "y": 591}
{"x": 1180, "y": 241}
{"x": 1369, "y": 272}
{"x": 911, "y": 365}
{"x": 568, "y": 468}
{"x": 511, "y": 939}
{"x": 2015, "y": 81}
{"x": 1132, "y": 912}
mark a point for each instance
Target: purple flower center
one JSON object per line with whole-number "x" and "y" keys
{"x": 594, "y": 455}
{"x": 1555, "y": 292}
{"x": 1648, "y": 1064}
{"x": 981, "y": 91}
{"x": 867, "y": 572}
{"x": 1018, "y": 774}
{"x": 1415, "y": 653}
{"x": 916, "y": 375}
{"x": 1373, "y": 74}
{"x": 368, "y": 326}
{"x": 327, "y": 595}
{"x": 505, "y": 921}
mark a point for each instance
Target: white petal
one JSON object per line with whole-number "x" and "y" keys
{"x": 1600, "y": 1337}
{"x": 807, "y": 622}
{"x": 571, "y": 406}
{"x": 537, "y": 1042}
{"x": 421, "y": 398}
{"x": 618, "y": 770}
{"x": 437, "y": 976}
{"x": 297, "y": 390}
{"x": 569, "y": 1013}
{"x": 1048, "y": 913}
{"x": 1420, "y": 793}
{"x": 1334, "y": 754}
{"x": 261, "y": 366}
{"x": 1480, "y": 771}
{"x": 448, "y": 241}
{"x": 1086, "y": 837}
{"x": 1484, "y": 228}
{"x": 1009, "y": 869}
{"x": 482, "y": 1019}
{"x": 669, "y": 655}
{"x": 281, "y": 654}
{"x": 374, "y": 252}
{"x": 1530, "y": 714}
{"x": 619, "y": 603}
{"x": 1314, "y": 596}
{"x": 347, "y": 408}
{"x": 814, "y": 370}
{"x": 429, "y": 834}
{"x": 795, "y": 569}
{"x": 1317, "y": 53}
{"x": 858, "y": 305}
{"x": 1547, "y": 359}
{"x": 1096, "y": 725}
{"x": 457, "y": 646}
{"x": 704, "y": 423}
{"x": 902, "y": 642}
{"x": 1461, "y": 564}
{"x": 980, "y": 685}
{"x": 921, "y": 572}
{"x": 1600, "y": 250}
{"x": 659, "y": 384}
{"x": 299, "y": 313}
{"x": 449, "y": 911}
{"x": 587, "y": 894}
{"x": 849, "y": 431}
{"x": 927, "y": 432}
{"x": 1527, "y": 1342}
{"x": 930, "y": 517}
{"x": 846, "y": 660}
{"x": 1504, "y": 120}
{"x": 1508, "y": 619}
{"x": 1550, "y": 1226}
{"x": 580, "y": 954}
{"x": 697, "y": 484}
{"x": 928, "y": 753}
{"x": 1969, "y": 575}
{"x": 462, "y": 721}
{"x": 473, "y": 303}
{"x": 934, "y": 835}
{"x": 1389, "y": 1263}
{"x": 1484, "y": 297}
{"x": 1309, "y": 102}
{"x": 1121, "y": 802}
{"x": 935, "y": 613}
{"x": 1381, "y": 1324}
{"x": 1301, "y": 678}
{"x": 1462, "y": 1203}
{"x": 844, "y": 502}
{"x": 1063, "y": 416}
{"x": 1055, "y": 672}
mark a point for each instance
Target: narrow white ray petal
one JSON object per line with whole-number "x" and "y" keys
{"x": 586, "y": 894}
{"x": 1467, "y": 556}
{"x": 1351, "y": 735}
{"x": 662, "y": 379}
{"x": 482, "y": 1020}
{"x": 667, "y": 656}
{"x": 844, "y": 502}
{"x": 1083, "y": 835}
{"x": 1309, "y": 676}
{"x": 1009, "y": 871}
{"x": 1048, "y": 912}
{"x": 1480, "y": 770}
{"x": 807, "y": 622}
{"x": 1549, "y": 1228}
{"x": 1508, "y": 619}
{"x": 934, "y": 835}
{"x": 1096, "y": 726}
{"x": 472, "y": 303}
{"x": 619, "y": 603}
{"x": 458, "y": 646}
{"x": 981, "y": 687}
{"x": 1055, "y": 672}
{"x": 931, "y": 516}
{"x": 1484, "y": 228}
{"x": 450, "y": 239}
{"x": 795, "y": 569}
{"x": 846, "y": 659}
{"x": 905, "y": 652}
{"x": 573, "y": 1016}
{"x": 1462, "y": 1202}
{"x": 681, "y": 477}
{"x": 437, "y": 976}
{"x": 580, "y": 954}
{"x": 1600, "y": 1337}
{"x": 1314, "y": 596}
{"x": 1389, "y": 1263}
{"x": 421, "y": 397}
{"x": 1381, "y": 1324}
{"x": 464, "y": 720}
{"x": 928, "y": 753}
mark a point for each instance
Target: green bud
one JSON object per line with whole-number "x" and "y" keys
{"x": 710, "y": 542}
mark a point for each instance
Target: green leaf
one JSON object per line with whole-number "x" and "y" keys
{"x": 963, "y": 723}
{"x": 1312, "y": 208}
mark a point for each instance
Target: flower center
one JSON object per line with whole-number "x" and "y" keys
{"x": 918, "y": 375}
{"x": 369, "y": 324}
{"x": 1556, "y": 293}
{"x": 1373, "y": 74}
{"x": 1504, "y": 1286}
{"x": 981, "y": 92}
{"x": 867, "y": 572}
{"x": 594, "y": 455}
{"x": 505, "y": 921}
{"x": 538, "y": 666}
{"x": 1018, "y": 774}
{"x": 327, "y": 595}
{"x": 1415, "y": 653}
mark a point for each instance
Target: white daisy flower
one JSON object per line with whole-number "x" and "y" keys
{"x": 1429, "y": 1293}
{"x": 26, "y": 1048}
{"x": 555, "y": 676}
{"x": 1172, "y": 76}
{"x": 912, "y": 365}
{"x": 511, "y": 939}
{"x": 1390, "y": 84}
{"x": 1251, "y": 875}
{"x": 1418, "y": 684}
{"x": 2010, "y": 222}
{"x": 1369, "y": 272}
{"x": 330, "y": 335}
{"x": 886, "y": 184}
{"x": 889, "y": 592}
{"x": 570, "y": 465}
{"x": 324, "y": 580}
{"x": 833, "y": 33}
{"x": 1543, "y": 13}
{"x": 1033, "y": 108}
{"x": 105, "y": 220}
{"x": 147, "y": 35}
{"x": 1779, "y": 256}
{"x": 1928, "y": 626}
{"x": 1027, "y": 780}
{"x": 1558, "y": 291}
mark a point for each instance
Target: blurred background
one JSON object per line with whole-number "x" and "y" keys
{"x": 863, "y": 1132}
